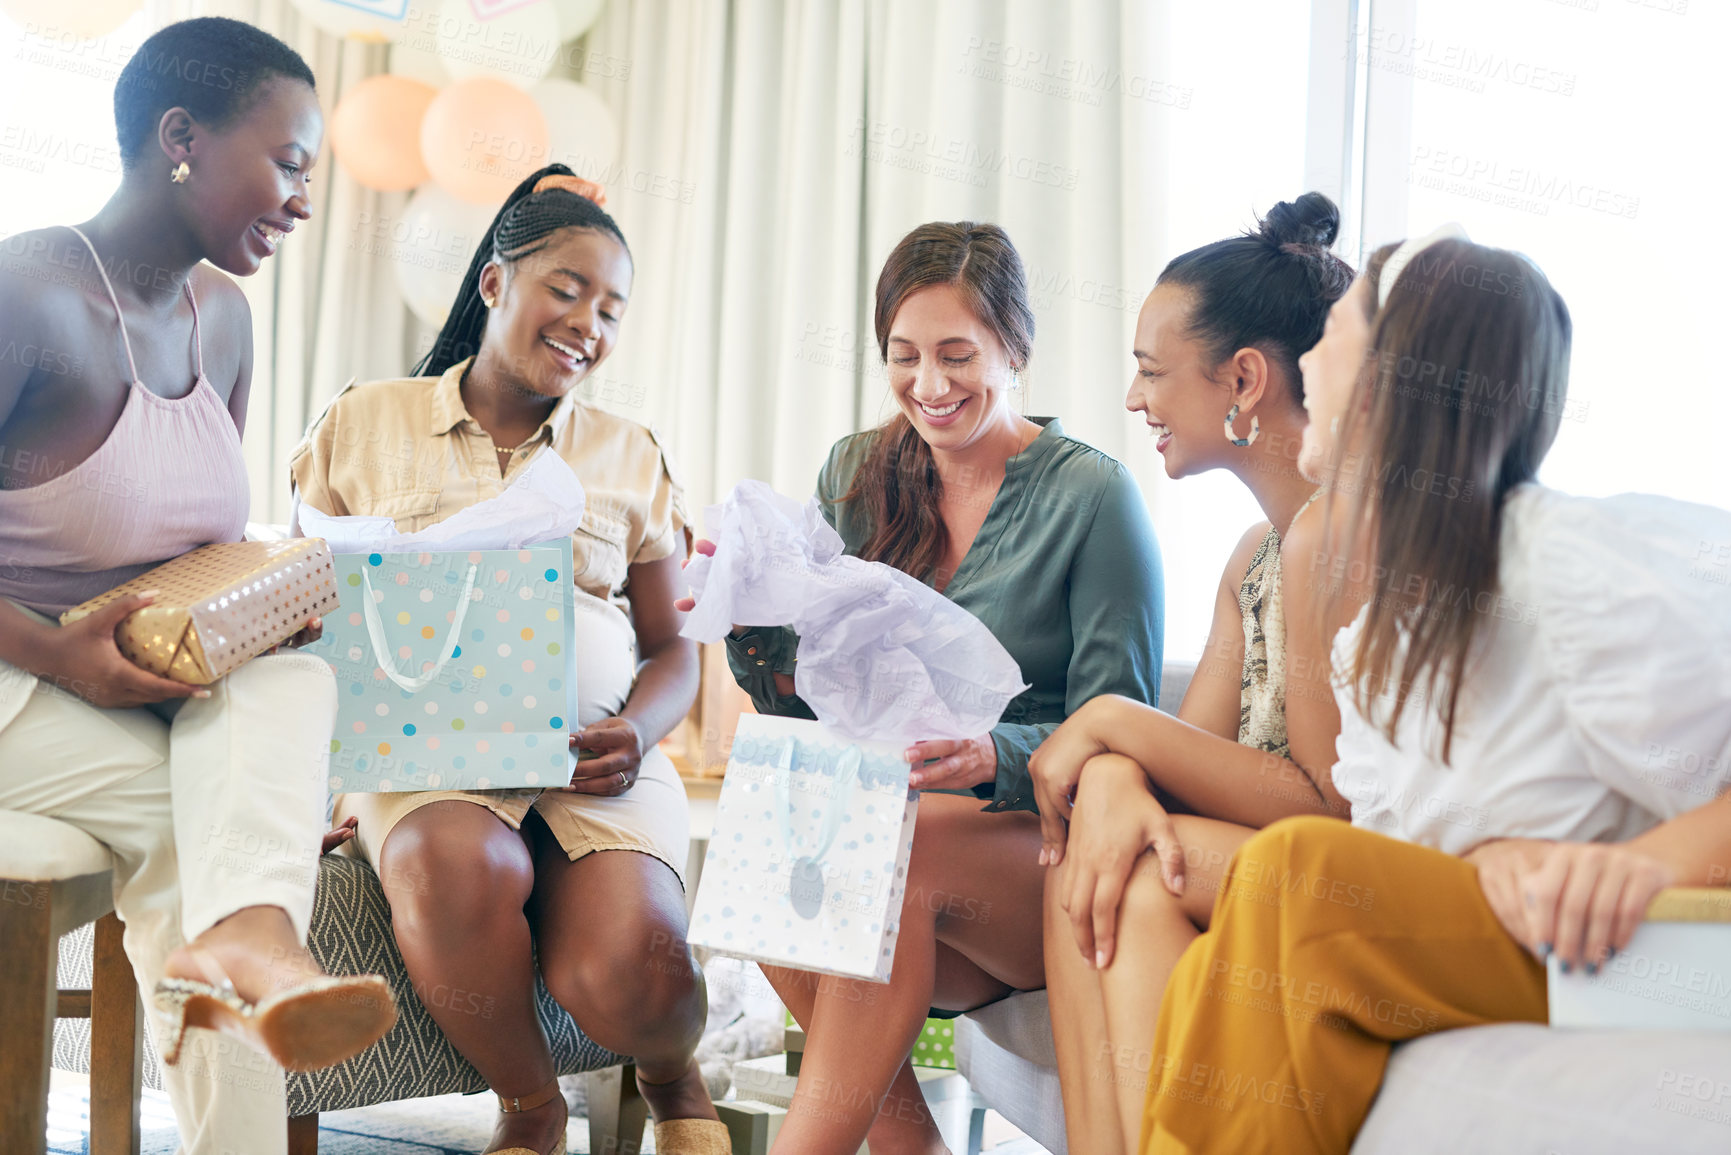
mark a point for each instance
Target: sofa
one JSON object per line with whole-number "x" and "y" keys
{"x": 1514, "y": 1088}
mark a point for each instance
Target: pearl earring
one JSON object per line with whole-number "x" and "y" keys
{"x": 179, "y": 173}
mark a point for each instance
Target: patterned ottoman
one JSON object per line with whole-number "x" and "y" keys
{"x": 351, "y": 934}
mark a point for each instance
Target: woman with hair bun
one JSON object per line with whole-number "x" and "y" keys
{"x": 1217, "y": 348}
{"x": 120, "y": 449}
{"x": 586, "y": 879}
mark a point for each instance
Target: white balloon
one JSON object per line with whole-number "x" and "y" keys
{"x": 581, "y": 131}
{"x": 374, "y": 20}
{"x": 518, "y": 44}
{"x": 412, "y": 56}
{"x": 575, "y": 16}
{"x": 431, "y": 243}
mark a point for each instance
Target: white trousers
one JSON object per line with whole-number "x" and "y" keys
{"x": 221, "y": 809}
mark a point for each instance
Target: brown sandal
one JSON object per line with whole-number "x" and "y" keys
{"x": 693, "y": 1137}
{"x": 519, "y": 1103}
{"x": 308, "y": 1027}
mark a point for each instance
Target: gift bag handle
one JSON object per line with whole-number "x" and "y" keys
{"x": 382, "y": 650}
{"x": 846, "y": 775}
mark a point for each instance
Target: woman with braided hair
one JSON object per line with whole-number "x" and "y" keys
{"x": 485, "y": 884}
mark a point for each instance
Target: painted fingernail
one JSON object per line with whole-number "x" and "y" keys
{"x": 1563, "y": 966}
{"x": 1592, "y": 969}
{"x": 1544, "y": 951}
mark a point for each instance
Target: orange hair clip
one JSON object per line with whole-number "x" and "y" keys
{"x": 588, "y": 189}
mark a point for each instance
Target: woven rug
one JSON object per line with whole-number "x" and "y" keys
{"x": 442, "y": 1125}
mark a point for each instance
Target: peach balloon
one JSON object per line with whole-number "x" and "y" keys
{"x": 376, "y": 132}
{"x": 481, "y": 137}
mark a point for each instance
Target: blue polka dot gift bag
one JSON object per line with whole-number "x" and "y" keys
{"x": 454, "y": 646}
{"x": 454, "y": 670}
{"x": 807, "y": 866}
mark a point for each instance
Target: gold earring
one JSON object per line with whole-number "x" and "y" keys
{"x": 180, "y": 173}
{"x": 489, "y": 301}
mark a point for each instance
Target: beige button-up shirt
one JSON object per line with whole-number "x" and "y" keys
{"x": 408, "y": 449}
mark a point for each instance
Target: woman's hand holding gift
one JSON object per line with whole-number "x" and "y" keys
{"x": 1581, "y": 900}
{"x": 945, "y": 764}
{"x": 305, "y": 636}
{"x": 84, "y": 658}
{"x": 1116, "y": 820}
{"x": 618, "y": 746}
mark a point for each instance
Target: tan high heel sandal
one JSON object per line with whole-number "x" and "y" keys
{"x": 312, "y": 1025}
{"x": 692, "y": 1137}
{"x": 519, "y": 1103}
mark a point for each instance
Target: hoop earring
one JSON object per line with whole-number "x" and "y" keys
{"x": 1242, "y": 442}
{"x": 179, "y": 173}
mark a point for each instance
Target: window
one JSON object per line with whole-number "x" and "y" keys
{"x": 59, "y": 161}
{"x": 1237, "y": 150}
{"x": 1588, "y": 134}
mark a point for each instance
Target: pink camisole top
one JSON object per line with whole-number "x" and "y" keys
{"x": 169, "y": 478}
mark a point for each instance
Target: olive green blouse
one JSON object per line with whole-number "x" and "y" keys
{"x": 1065, "y": 572}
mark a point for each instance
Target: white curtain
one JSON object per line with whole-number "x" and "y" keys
{"x": 801, "y": 140}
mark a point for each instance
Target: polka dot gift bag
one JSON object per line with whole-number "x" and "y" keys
{"x": 455, "y": 666}
{"x": 808, "y": 862}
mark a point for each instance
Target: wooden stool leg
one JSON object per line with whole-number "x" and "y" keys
{"x": 617, "y": 1111}
{"x": 116, "y": 1046}
{"x": 28, "y": 958}
{"x": 303, "y": 1134}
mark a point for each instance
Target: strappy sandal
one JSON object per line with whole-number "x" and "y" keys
{"x": 516, "y": 1104}
{"x": 313, "y": 1025}
{"x": 693, "y": 1137}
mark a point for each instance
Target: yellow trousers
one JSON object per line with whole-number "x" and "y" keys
{"x": 1329, "y": 944}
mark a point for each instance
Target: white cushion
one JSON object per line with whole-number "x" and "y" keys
{"x": 43, "y": 849}
{"x": 1021, "y": 1024}
{"x": 1521, "y": 1087}
{"x": 1026, "y": 1093}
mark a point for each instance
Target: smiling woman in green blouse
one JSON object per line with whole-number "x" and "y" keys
{"x": 1044, "y": 539}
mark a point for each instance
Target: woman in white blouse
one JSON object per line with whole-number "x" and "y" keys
{"x": 1535, "y": 696}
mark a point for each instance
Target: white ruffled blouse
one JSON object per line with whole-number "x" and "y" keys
{"x": 1597, "y": 701}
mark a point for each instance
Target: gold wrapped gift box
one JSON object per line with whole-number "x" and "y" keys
{"x": 222, "y": 605}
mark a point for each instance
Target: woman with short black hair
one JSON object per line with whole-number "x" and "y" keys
{"x": 114, "y": 464}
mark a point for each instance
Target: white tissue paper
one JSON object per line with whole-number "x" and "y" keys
{"x": 882, "y": 656}
{"x": 543, "y": 503}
